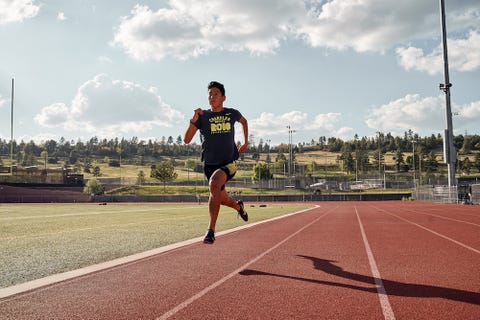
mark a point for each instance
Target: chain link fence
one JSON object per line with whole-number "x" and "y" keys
{"x": 439, "y": 194}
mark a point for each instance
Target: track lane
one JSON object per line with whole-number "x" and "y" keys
{"x": 312, "y": 265}
{"x": 148, "y": 288}
{"x": 426, "y": 276}
{"x": 447, "y": 225}
{"x": 318, "y": 274}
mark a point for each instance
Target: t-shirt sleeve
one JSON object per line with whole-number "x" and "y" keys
{"x": 236, "y": 115}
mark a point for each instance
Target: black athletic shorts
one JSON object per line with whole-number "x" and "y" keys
{"x": 230, "y": 169}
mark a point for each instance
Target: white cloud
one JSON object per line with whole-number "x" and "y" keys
{"x": 469, "y": 113}
{"x": 17, "y": 10}
{"x": 38, "y": 138}
{"x": 110, "y": 108}
{"x": 53, "y": 115}
{"x": 2, "y": 101}
{"x": 410, "y": 112}
{"x": 104, "y": 59}
{"x": 377, "y": 25}
{"x": 421, "y": 115}
{"x": 368, "y": 25}
{"x": 187, "y": 28}
{"x": 463, "y": 55}
{"x": 61, "y": 16}
{"x": 269, "y": 125}
{"x": 325, "y": 121}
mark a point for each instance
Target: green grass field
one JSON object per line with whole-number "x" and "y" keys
{"x": 37, "y": 240}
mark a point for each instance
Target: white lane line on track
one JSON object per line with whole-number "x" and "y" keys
{"x": 382, "y": 294}
{"x": 431, "y": 231}
{"x": 200, "y": 294}
{"x": 445, "y": 218}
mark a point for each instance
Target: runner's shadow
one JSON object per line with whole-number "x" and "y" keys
{"x": 393, "y": 288}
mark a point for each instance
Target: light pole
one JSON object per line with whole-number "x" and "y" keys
{"x": 290, "y": 157}
{"x": 356, "y": 166}
{"x": 385, "y": 166}
{"x": 448, "y": 148}
{"x": 268, "y": 157}
{"x": 413, "y": 161}
{"x": 384, "y": 174}
{"x": 188, "y": 165}
{"x": 379, "y": 157}
{"x": 120, "y": 162}
{"x": 11, "y": 129}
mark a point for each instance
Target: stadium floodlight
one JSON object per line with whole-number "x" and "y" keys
{"x": 448, "y": 148}
{"x": 11, "y": 128}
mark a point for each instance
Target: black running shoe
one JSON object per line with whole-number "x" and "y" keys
{"x": 209, "y": 237}
{"x": 242, "y": 213}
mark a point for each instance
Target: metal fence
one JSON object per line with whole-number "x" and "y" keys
{"x": 440, "y": 194}
{"x": 475, "y": 195}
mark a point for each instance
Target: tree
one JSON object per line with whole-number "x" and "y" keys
{"x": 165, "y": 172}
{"x": 193, "y": 165}
{"x": 477, "y": 161}
{"x": 347, "y": 158}
{"x": 375, "y": 159}
{"x": 96, "y": 171}
{"x": 93, "y": 187}
{"x": 466, "y": 146}
{"x": 399, "y": 160}
{"x": 431, "y": 163}
{"x": 280, "y": 157}
{"x": 261, "y": 171}
{"x": 73, "y": 157}
{"x": 466, "y": 165}
{"x": 312, "y": 167}
{"x": 44, "y": 156}
{"x": 141, "y": 178}
{"x": 362, "y": 160}
{"x": 31, "y": 160}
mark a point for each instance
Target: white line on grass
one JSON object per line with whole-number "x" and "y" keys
{"x": 98, "y": 213}
{"x": 49, "y": 280}
{"x": 382, "y": 294}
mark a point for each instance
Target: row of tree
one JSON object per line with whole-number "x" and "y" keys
{"x": 354, "y": 153}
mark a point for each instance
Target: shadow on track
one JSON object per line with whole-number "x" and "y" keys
{"x": 393, "y": 288}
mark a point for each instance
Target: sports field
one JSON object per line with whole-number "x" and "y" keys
{"x": 337, "y": 260}
{"x": 37, "y": 240}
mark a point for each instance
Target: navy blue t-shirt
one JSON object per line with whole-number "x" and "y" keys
{"x": 217, "y": 134}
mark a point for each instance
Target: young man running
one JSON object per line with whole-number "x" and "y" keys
{"x": 219, "y": 151}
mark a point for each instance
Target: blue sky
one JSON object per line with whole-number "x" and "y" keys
{"x": 86, "y": 68}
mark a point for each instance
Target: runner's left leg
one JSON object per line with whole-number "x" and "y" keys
{"x": 217, "y": 180}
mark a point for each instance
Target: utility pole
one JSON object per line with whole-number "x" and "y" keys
{"x": 268, "y": 159}
{"x": 450, "y": 154}
{"x": 379, "y": 157}
{"x": 11, "y": 129}
{"x": 290, "y": 157}
{"x": 413, "y": 162}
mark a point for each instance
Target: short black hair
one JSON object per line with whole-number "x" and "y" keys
{"x": 218, "y": 85}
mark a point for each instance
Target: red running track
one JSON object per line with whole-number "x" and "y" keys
{"x": 341, "y": 260}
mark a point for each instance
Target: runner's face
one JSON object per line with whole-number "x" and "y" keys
{"x": 215, "y": 98}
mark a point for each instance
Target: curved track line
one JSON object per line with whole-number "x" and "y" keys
{"x": 200, "y": 294}
{"x": 382, "y": 294}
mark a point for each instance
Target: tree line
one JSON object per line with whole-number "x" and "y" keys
{"x": 137, "y": 150}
